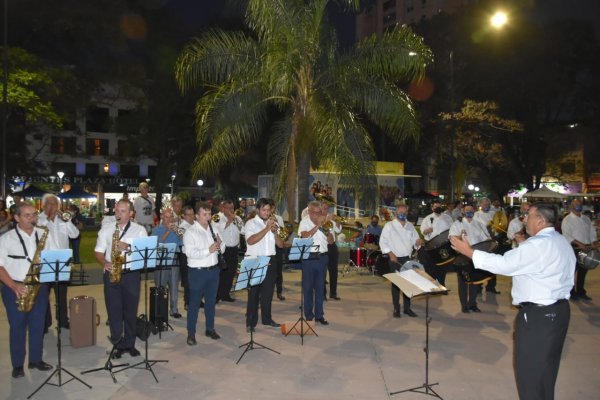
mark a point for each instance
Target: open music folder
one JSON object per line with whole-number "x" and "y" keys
{"x": 414, "y": 282}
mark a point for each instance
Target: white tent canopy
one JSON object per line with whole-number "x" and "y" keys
{"x": 544, "y": 192}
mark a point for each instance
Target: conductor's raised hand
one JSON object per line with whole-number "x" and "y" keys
{"x": 460, "y": 244}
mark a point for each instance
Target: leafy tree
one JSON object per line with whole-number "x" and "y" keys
{"x": 290, "y": 62}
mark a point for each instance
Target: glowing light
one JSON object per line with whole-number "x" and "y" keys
{"x": 200, "y": 182}
{"x": 471, "y": 186}
{"x": 499, "y": 19}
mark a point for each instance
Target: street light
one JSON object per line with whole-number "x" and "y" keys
{"x": 172, "y": 183}
{"x": 499, "y": 19}
{"x": 60, "y": 179}
{"x": 200, "y": 182}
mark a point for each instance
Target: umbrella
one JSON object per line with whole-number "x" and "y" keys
{"x": 544, "y": 192}
{"x": 76, "y": 193}
{"x": 30, "y": 191}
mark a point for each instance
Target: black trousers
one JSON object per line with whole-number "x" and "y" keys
{"x": 63, "y": 319}
{"x": 467, "y": 293}
{"x": 262, "y": 294}
{"x": 122, "y": 304}
{"x": 183, "y": 271}
{"x": 332, "y": 267}
{"x": 395, "y": 290}
{"x": 279, "y": 252}
{"x": 226, "y": 276}
{"x": 539, "y": 337}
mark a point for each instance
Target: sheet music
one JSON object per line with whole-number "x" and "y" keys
{"x": 418, "y": 280}
{"x": 138, "y": 252}
{"x": 49, "y": 259}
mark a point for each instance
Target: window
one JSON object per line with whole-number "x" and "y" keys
{"x": 130, "y": 171}
{"x": 97, "y": 119}
{"x": 96, "y": 147}
{"x": 124, "y": 149}
{"x": 92, "y": 169}
{"x": 63, "y": 145}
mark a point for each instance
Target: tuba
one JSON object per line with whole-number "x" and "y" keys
{"x": 32, "y": 280}
{"x": 118, "y": 259}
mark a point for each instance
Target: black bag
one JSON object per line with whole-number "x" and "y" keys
{"x": 143, "y": 328}
{"x": 159, "y": 307}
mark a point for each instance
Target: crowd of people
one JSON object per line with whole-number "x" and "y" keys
{"x": 529, "y": 247}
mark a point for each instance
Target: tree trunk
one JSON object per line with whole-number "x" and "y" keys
{"x": 303, "y": 172}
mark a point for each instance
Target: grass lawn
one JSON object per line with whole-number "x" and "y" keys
{"x": 88, "y": 243}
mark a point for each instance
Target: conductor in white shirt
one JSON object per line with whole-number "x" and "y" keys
{"x": 542, "y": 268}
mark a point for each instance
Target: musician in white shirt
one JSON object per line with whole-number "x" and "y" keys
{"x": 542, "y": 271}
{"x": 60, "y": 231}
{"x": 185, "y": 222}
{"x": 474, "y": 232}
{"x": 581, "y": 233}
{"x": 433, "y": 225}
{"x": 201, "y": 249}
{"x": 231, "y": 226}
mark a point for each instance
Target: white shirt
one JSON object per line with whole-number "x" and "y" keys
{"x": 515, "y": 226}
{"x": 60, "y": 232}
{"x": 143, "y": 207}
{"x": 230, "y": 234}
{"x": 105, "y": 236}
{"x": 485, "y": 217}
{"x": 266, "y": 245}
{"x": 542, "y": 267}
{"x": 337, "y": 229}
{"x": 185, "y": 226}
{"x": 578, "y": 228}
{"x": 439, "y": 223}
{"x": 196, "y": 242}
{"x": 12, "y": 255}
{"x": 398, "y": 239}
{"x": 319, "y": 238}
{"x": 475, "y": 230}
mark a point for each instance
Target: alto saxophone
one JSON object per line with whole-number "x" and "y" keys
{"x": 26, "y": 301}
{"x": 118, "y": 259}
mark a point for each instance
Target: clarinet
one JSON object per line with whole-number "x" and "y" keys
{"x": 221, "y": 259}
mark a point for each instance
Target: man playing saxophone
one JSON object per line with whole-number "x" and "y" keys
{"x": 121, "y": 297}
{"x": 18, "y": 248}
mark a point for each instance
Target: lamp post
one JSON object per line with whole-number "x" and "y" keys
{"x": 173, "y": 183}
{"x": 60, "y": 179}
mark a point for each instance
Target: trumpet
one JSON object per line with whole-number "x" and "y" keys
{"x": 216, "y": 218}
{"x": 65, "y": 216}
{"x": 281, "y": 231}
{"x": 179, "y": 231}
{"x": 328, "y": 225}
{"x": 239, "y": 213}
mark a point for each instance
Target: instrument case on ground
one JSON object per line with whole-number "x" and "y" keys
{"x": 83, "y": 321}
{"x": 159, "y": 307}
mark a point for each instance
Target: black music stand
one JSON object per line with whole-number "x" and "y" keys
{"x": 56, "y": 264}
{"x": 303, "y": 246}
{"x": 252, "y": 273}
{"x": 108, "y": 365}
{"x": 142, "y": 249}
{"x": 405, "y": 283}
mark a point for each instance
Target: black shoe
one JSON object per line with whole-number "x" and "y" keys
{"x": 65, "y": 326}
{"x": 41, "y": 366}
{"x": 475, "y": 309}
{"x": 191, "y": 340}
{"x": 322, "y": 321}
{"x": 410, "y": 313}
{"x": 212, "y": 334}
{"x": 133, "y": 352}
{"x": 397, "y": 314}
{"x": 466, "y": 310}
{"x": 202, "y": 304}
{"x": 281, "y": 297}
{"x": 229, "y": 299}
{"x": 250, "y": 329}
{"x": 18, "y": 372}
{"x": 273, "y": 324}
{"x": 494, "y": 291}
{"x": 585, "y": 297}
{"x": 335, "y": 297}
{"x": 117, "y": 354}
{"x": 176, "y": 315}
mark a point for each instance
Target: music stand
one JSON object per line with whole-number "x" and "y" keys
{"x": 143, "y": 257}
{"x": 252, "y": 273}
{"x": 55, "y": 267}
{"x": 414, "y": 281}
{"x": 299, "y": 251}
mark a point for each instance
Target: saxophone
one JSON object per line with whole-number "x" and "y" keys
{"x": 26, "y": 301}
{"x": 118, "y": 259}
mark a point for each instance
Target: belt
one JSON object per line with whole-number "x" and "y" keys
{"x": 526, "y": 304}
{"x": 320, "y": 254}
{"x": 208, "y": 268}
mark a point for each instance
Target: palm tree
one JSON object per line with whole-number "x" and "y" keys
{"x": 290, "y": 61}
